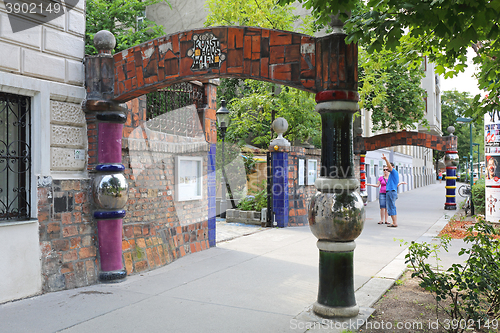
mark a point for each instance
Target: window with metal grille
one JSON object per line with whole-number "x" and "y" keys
{"x": 164, "y": 109}
{"x": 15, "y": 157}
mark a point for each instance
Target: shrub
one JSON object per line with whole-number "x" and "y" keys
{"x": 257, "y": 201}
{"x": 471, "y": 290}
{"x": 478, "y": 196}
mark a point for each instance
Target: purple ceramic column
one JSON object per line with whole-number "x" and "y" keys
{"x": 109, "y": 186}
{"x": 110, "y": 143}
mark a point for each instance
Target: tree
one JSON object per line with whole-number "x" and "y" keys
{"x": 251, "y": 114}
{"x": 441, "y": 30}
{"x": 120, "y": 17}
{"x": 390, "y": 88}
{"x": 252, "y": 102}
{"x": 456, "y": 104}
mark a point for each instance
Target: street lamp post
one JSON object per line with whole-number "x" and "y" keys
{"x": 478, "y": 163}
{"x": 469, "y": 120}
{"x": 222, "y": 116}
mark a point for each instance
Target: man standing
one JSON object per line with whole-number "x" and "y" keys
{"x": 392, "y": 192}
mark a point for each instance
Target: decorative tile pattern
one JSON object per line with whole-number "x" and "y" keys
{"x": 441, "y": 143}
{"x": 280, "y": 188}
{"x": 292, "y": 59}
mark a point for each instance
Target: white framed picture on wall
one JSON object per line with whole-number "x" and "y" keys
{"x": 312, "y": 171}
{"x": 188, "y": 178}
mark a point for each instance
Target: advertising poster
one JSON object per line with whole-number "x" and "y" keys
{"x": 492, "y": 156}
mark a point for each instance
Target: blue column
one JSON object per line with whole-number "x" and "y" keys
{"x": 211, "y": 195}
{"x": 280, "y": 188}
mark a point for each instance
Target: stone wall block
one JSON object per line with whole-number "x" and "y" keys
{"x": 30, "y": 37}
{"x": 64, "y": 113}
{"x": 60, "y": 42}
{"x": 51, "y": 68}
{"x": 63, "y": 159}
{"x": 68, "y": 136}
{"x": 10, "y": 57}
{"x": 76, "y": 22}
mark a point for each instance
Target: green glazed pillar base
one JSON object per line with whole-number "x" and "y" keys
{"x": 336, "y": 280}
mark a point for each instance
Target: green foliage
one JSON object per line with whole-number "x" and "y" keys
{"x": 257, "y": 200}
{"x": 120, "y": 18}
{"x": 250, "y": 163}
{"x": 251, "y": 13}
{"x": 251, "y": 114}
{"x": 252, "y": 102}
{"x": 471, "y": 288}
{"x": 478, "y": 196}
{"x": 390, "y": 88}
{"x": 442, "y": 30}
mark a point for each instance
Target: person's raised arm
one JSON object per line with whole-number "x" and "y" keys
{"x": 389, "y": 165}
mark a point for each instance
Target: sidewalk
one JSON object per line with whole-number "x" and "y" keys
{"x": 262, "y": 282}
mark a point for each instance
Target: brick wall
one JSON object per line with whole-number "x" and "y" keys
{"x": 158, "y": 229}
{"x": 67, "y": 234}
{"x": 300, "y": 195}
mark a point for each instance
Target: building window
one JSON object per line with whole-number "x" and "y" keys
{"x": 15, "y": 157}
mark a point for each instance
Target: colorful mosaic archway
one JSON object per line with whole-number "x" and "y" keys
{"x": 441, "y": 143}
{"x": 291, "y": 59}
{"x": 448, "y": 144}
{"x": 326, "y": 66}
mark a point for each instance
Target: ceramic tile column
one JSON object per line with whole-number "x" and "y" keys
{"x": 336, "y": 212}
{"x": 279, "y": 151}
{"x": 451, "y": 162}
{"x": 109, "y": 186}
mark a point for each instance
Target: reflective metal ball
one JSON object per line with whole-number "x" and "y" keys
{"x": 337, "y": 217}
{"x": 451, "y": 159}
{"x": 110, "y": 191}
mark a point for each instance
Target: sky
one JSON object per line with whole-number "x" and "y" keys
{"x": 463, "y": 81}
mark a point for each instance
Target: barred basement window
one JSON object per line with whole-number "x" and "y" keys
{"x": 15, "y": 157}
{"x": 174, "y": 98}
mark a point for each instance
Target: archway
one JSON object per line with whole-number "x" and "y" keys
{"x": 448, "y": 144}
{"x": 325, "y": 66}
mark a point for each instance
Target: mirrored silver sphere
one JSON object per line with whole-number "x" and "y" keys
{"x": 337, "y": 217}
{"x": 110, "y": 191}
{"x": 451, "y": 159}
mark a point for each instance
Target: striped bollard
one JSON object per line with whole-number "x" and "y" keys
{"x": 362, "y": 178}
{"x": 451, "y": 162}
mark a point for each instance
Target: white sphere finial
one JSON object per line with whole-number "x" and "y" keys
{"x": 280, "y": 125}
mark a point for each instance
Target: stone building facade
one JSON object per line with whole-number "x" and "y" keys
{"x": 42, "y": 67}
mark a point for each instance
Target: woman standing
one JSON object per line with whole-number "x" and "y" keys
{"x": 382, "y": 182}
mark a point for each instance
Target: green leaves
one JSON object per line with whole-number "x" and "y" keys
{"x": 252, "y": 102}
{"x": 390, "y": 87}
{"x": 472, "y": 288}
{"x": 120, "y": 17}
{"x": 251, "y": 114}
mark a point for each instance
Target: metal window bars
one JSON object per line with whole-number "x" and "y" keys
{"x": 15, "y": 157}
{"x": 165, "y": 109}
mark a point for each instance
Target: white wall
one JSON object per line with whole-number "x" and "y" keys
{"x": 45, "y": 63}
{"x": 20, "y": 265}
